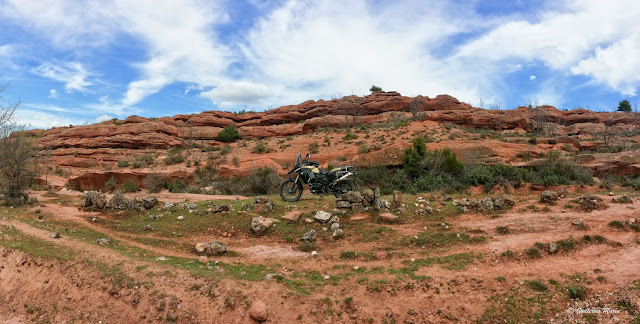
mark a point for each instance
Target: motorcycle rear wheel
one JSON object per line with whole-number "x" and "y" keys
{"x": 290, "y": 190}
{"x": 342, "y": 187}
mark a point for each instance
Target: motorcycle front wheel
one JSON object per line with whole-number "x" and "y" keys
{"x": 290, "y": 190}
{"x": 342, "y": 187}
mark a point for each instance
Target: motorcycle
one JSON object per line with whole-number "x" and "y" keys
{"x": 319, "y": 181}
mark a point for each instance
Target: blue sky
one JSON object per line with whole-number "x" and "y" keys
{"x": 76, "y": 62}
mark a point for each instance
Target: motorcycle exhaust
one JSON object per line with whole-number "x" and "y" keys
{"x": 342, "y": 178}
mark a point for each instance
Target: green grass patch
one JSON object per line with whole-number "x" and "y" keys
{"x": 15, "y": 239}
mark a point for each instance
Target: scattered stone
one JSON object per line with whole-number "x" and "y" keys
{"x": 201, "y": 247}
{"x": 258, "y": 311}
{"x": 268, "y": 206}
{"x": 326, "y": 277}
{"x": 261, "y": 199}
{"x": 553, "y": 248}
{"x": 611, "y": 193}
{"x": 103, "y": 241}
{"x": 148, "y": 227}
{"x": 334, "y": 219}
{"x": 309, "y": 236}
{"x": 314, "y": 253}
{"x": 335, "y": 226}
{"x": 149, "y": 202}
{"x": 94, "y": 219}
{"x": 55, "y": 235}
{"x": 180, "y": 217}
{"x": 168, "y": 205}
{"x": 337, "y": 233}
{"x": 203, "y": 259}
{"x": 397, "y": 199}
{"x": 259, "y": 224}
{"x": 549, "y": 197}
{"x": 322, "y": 216}
{"x": 368, "y": 195}
{"x": 385, "y": 204}
{"x": 577, "y": 222}
{"x": 388, "y": 218}
{"x": 589, "y": 202}
{"x": 162, "y": 258}
{"x": 308, "y": 220}
{"x": 292, "y": 216}
{"x": 622, "y": 200}
{"x": 631, "y": 221}
{"x": 270, "y": 276}
{"x": 153, "y": 217}
{"x": 219, "y": 209}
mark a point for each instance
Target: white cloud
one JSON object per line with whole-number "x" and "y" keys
{"x": 53, "y": 93}
{"x": 305, "y": 49}
{"x": 532, "y": 77}
{"x": 563, "y": 38}
{"x": 44, "y": 120}
{"x": 72, "y": 74}
{"x": 617, "y": 65}
{"x": 245, "y": 92}
{"x": 102, "y": 118}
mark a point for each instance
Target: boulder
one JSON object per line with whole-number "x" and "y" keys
{"x": 258, "y": 311}
{"x": 486, "y": 204}
{"x": 309, "y": 236}
{"x": 259, "y": 224}
{"x": 548, "y": 197}
{"x": 149, "y": 202}
{"x": 103, "y": 241}
{"x": 553, "y": 248}
{"x": 201, "y": 247}
{"x": 352, "y": 196}
{"x": 343, "y": 204}
{"x": 322, "y": 216}
{"x": 397, "y": 199}
{"x": 93, "y": 199}
{"x": 368, "y": 196}
{"x": 337, "y": 233}
{"x": 292, "y": 216}
{"x": 357, "y": 207}
{"x": 388, "y": 218}
{"x": 335, "y": 226}
{"x": 215, "y": 248}
{"x": 55, "y": 235}
{"x": 622, "y": 200}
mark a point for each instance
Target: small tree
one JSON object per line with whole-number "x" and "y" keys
{"x": 229, "y": 134}
{"x": 375, "y": 89}
{"x": 624, "y": 106}
{"x": 17, "y": 167}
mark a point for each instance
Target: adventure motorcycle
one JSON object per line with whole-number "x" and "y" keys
{"x": 320, "y": 182}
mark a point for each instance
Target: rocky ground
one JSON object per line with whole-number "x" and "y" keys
{"x": 529, "y": 256}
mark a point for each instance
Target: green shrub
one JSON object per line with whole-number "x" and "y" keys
{"x": 229, "y": 134}
{"x": 533, "y": 141}
{"x": 363, "y": 148}
{"x": 503, "y": 230}
{"x": 536, "y": 285}
{"x": 111, "y": 184}
{"x": 261, "y": 148}
{"x": 349, "y": 136}
{"x": 123, "y": 164}
{"x": 616, "y": 224}
{"x": 577, "y": 292}
{"x": 307, "y": 246}
{"x": 225, "y": 149}
{"x": 143, "y": 161}
{"x": 174, "y": 159}
{"x": 533, "y": 253}
{"x": 129, "y": 186}
{"x": 348, "y": 254}
{"x": 375, "y": 89}
{"x": 178, "y": 185}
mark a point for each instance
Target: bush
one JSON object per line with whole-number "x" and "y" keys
{"x": 375, "y": 89}
{"x": 260, "y": 148}
{"x": 577, "y": 292}
{"x": 363, "y": 149}
{"x": 225, "y": 149}
{"x": 174, "y": 159}
{"x": 533, "y": 253}
{"x": 143, "y": 161}
{"x": 154, "y": 183}
{"x": 349, "y": 136}
{"x": 536, "y": 285}
{"x": 178, "y": 185}
{"x": 263, "y": 181}
{"x": 229, "y": 134}
{"x": 313, "y": 148}
{"x": 123, "y": 164}
{"x": 129, "y": 186}
{"x": 111, "y": 184}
